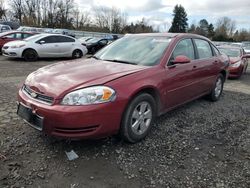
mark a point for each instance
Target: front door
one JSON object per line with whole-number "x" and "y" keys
{"x": 179, "y": 81}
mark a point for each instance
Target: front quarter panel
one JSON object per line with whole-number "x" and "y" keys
{"x": 129, "y": 86}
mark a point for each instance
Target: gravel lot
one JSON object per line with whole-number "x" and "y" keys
{"x": 201, "y": 144}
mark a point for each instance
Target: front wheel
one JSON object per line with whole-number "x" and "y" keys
{"x": 217, "y": 89}
{"x": 138, "y": 118}
{"x": 30, "y": 55}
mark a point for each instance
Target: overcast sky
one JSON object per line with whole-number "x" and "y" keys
{"x": 159, "y": 12}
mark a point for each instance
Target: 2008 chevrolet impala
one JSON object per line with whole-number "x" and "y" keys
{"x": 122, "y": 88}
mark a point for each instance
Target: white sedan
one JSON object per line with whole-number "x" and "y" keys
{"x": 45, "y": 45}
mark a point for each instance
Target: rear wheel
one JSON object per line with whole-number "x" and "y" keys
{"x": 77, "y": 54}
{"x": 217, "y": 88}
{"x": 30, "y": 55}
{"x": 138, "y": 118}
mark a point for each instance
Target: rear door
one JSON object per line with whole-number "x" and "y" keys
{"x": 205, "y": 67}
{"x": 179, "y": 80}
{"x": 66, "y": 45}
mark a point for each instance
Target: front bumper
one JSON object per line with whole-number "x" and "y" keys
{"x": 76, "y": 122}
{"x": 12, "y": 52}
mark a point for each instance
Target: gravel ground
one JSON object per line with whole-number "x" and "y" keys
{"x": 201, "y": 144}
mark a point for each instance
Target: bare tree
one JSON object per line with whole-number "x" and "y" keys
{"x": 17, "y": 8}
{"x": 110, "y": 18}
{"x": 225, "y": 26}
{"x": 2, "y": 10}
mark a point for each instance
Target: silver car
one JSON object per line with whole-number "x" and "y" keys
{"x": 45, "y": 45}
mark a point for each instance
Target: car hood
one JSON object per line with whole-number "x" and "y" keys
{"x": 14, "y": 43}
{"x": 58, "y": 79}
{"x": 234, "y": 59}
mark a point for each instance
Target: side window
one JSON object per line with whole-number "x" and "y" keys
{"x": 26, "y": 35}
{"x": 203, "y": 48}
{"x": 184, "y": 47}
{"x": 18, "y": 35}
{"x": 48, "y": 40}
{"x": 65, "y": 39}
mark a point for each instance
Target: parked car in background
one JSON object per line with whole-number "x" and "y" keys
{"x": 4, "y": 28}
{"x": 48, "y": 30}
{"x": 30, "y": 29}
{"x": 44, "y": 45}
{"x": 246, "y": 47}
{"x": 124, "y": 87}
{"x": 13, "y": 25}
{"x": 64, "y": 32}
{"x": 95, "y": 44}
{"x": 13, "y": 36}
{"x": 238, "y": 60}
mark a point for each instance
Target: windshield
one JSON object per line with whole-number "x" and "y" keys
{"x": 32, "y": 38}
{"x": 140, "y": 50}
{"x": 231, "y": 52}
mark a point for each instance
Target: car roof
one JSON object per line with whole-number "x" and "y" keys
{"x": 53, "y": 34}
{"x": 170, "y": 35}
{"x": 229, "y": 47}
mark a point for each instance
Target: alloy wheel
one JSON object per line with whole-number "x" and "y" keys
{"x": 141, "y": 118}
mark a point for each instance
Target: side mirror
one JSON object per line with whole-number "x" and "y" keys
{"x": 246, "y": 56}
{"x": 42, "y": 42}
{"x": 181, "y": 59}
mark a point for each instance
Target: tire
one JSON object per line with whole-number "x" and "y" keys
{"x": 30, "y": 55}
{"x": 217, "y": 89}
{"x": 138, "y": 118}
{"x": 77, "y": 54}
{"x": 93, "y": 50}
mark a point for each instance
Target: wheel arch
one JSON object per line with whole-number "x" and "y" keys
{"x": 151, "y": 90}
{"x": 29, "y": 49}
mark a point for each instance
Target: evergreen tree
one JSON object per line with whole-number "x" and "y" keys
{"x": 211, "y": 32}
{"x": 203, "y": 24}
{"x": 179, "y": 23}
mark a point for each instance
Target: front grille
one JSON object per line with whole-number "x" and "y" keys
{"x": 37, "y": 96}
{"x": 5, "y": 47}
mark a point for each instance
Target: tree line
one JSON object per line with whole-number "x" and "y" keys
{"x": 66, "y": 14}
{"x": 223, "y": 30}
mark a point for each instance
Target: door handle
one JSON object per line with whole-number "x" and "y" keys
{"x": 194, "y": 67}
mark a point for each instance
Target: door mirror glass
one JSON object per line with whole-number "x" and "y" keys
{"x": 181, "y": 59}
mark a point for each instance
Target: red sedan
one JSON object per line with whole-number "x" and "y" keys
{"x": 238, "y": 60}
{"x": 12, "y": 36}
{"x": 122, "y": 88}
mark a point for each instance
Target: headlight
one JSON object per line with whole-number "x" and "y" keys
{"x": 18, "y": 46}
{"x": 91, "y": 95}
{"x": 235, "y": 65}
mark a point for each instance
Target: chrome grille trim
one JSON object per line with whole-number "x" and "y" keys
{"x": 38, "y": 96}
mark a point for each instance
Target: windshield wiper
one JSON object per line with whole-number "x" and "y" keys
{"x": 120, "y": 61}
